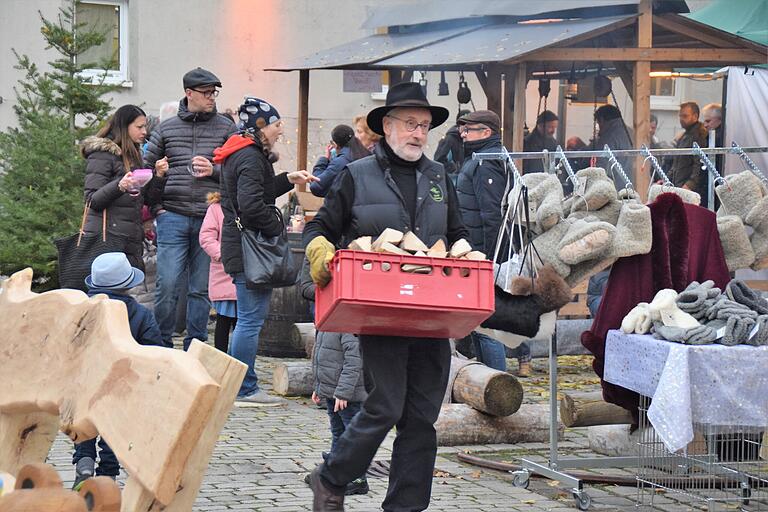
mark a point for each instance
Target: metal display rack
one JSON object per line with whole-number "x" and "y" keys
{"x": 554, "y": 467}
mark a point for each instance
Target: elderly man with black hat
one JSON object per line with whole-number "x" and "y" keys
{"x": 480, "y": 190}
{"x": 541, "y": 137}
{"x": 181, "y": 153}
{"x": 396, "y": 187}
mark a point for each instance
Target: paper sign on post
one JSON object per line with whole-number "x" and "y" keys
{"x": 356, "y": 80}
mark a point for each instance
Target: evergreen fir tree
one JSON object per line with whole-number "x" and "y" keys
{"x": 41, "y": 171}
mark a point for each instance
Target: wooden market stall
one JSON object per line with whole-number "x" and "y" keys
{"x": 506, "y": 44}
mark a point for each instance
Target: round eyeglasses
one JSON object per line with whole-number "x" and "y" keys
{"x": 411, "y": 125}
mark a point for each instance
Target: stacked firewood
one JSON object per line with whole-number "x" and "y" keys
{"x": 392, "y": 241}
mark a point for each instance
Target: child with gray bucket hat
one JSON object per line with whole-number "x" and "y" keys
{"x": 112, "y": 275}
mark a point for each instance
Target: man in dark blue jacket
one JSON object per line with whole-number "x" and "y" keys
{"x": 480, "y": 190}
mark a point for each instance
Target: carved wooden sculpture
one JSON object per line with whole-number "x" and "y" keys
{"x": 38, "y": 488}
{"x": 69, "y": 361}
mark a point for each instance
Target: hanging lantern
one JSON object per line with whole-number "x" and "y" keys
{"x": 544, "y": 88}
{"x": 572, "y": 87}
{"x": 463, "y": 95}
{"x": 423, "y": 82}
{"x": 442, "y": 88}
{"x": 602, "y": 86}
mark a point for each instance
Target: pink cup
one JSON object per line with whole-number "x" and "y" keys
{"x": 140, "y": 177}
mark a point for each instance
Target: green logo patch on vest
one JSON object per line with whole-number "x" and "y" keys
{"x": 436, "y": 193}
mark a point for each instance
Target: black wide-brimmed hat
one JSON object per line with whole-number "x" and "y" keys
{"x": 406, "y": 94}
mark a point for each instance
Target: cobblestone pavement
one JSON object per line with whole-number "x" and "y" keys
{"x": 263, "y": 455}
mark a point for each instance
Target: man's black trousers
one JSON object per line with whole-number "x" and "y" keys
{"x": 409, "y": 376}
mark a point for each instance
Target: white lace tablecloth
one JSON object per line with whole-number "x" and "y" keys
{"x": 705, "y": 384}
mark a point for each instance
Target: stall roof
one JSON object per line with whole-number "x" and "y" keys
{"x": 392, "y": 15}
{"x": 366, "y": 50}
{"x": 497, "y": 43}
{"x": 468, "y": 45}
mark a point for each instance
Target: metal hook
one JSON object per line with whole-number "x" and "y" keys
{"x": 735, "y": 148}
{"x": 709, "y": 166}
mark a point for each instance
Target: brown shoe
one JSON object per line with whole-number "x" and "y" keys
{"x": 524, "y": 370}
{"x": 324, "y": 500}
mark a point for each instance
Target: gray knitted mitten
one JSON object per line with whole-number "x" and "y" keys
{"x": 697, "y": 298}
{"x": 725, "y": 309}
{"x": 761, "y": 338}
{"x": 737, "y": 330}
{"x": 699, "y": 335}
{"x": 738, "y": 291}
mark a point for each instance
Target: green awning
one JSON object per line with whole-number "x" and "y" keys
{"x": 744, "y": 18}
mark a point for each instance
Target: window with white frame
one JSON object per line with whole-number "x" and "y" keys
{"x": 110, "y": 59}
{"x": 665, "y": 93}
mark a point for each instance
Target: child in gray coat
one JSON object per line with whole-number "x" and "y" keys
{"x": 338, "y": 374}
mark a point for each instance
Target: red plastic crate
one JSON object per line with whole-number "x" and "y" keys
{"x": 449, "y": 302}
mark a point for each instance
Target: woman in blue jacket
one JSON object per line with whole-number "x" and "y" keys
{"x": 343, "y": 149}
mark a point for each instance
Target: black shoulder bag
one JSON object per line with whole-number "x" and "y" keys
{"x": 267, "y": 261}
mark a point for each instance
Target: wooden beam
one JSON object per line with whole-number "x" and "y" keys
{"x": 680, "y": 29}
{"x": 705, "y": 33}
{"x": 645, "y": 24}
{"x": 641, "y": 94}
{"x": 493, "y": 93}
{"x": 607, "y": 29}
{"x": 521, "y": 81}
{"x": 483, "y": 79}
{"x": 641, "y": 106}
{"x": 395, "y": 77}
{"x": 303, "y": 142}
{"x": 509, "y": 98}
{"x": 725, "y": 55}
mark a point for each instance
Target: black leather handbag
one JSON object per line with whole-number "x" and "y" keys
{"x": 267, "y": 261}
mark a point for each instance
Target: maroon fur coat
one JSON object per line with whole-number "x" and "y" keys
{"x": 686, "y": 247}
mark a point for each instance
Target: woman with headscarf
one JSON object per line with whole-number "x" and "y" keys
{"x": 248, "y": 188}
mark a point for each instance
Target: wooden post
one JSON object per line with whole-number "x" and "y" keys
{"x": 521, "y": 82}
{"x": 507, "y": 107}
{"x": 562, "y": 113}
{"x": 303, "y": 142}
{"x": 641, "y": 94}
{"x": 493, "y": 89}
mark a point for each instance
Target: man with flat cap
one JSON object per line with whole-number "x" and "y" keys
{"x": 180, "y": 151}
{"x": 480, "y": 190}
{"x": 397, "y": 187}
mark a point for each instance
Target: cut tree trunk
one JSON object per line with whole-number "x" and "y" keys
{"x": 589, "y": 409}
{"x": 487, "y": 390}
{"x": 460, "y": 424}
{"x": 293, "y": 379}
{"x": 306, "y": 333}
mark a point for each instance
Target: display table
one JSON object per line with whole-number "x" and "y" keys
{"x": 704, "y": 384}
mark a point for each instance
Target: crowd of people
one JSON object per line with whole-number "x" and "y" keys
{"x": 213, "y": 175}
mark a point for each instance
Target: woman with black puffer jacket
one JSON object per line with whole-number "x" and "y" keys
{"x": 114, "y": 195}
{"x": 249, "y": 187}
